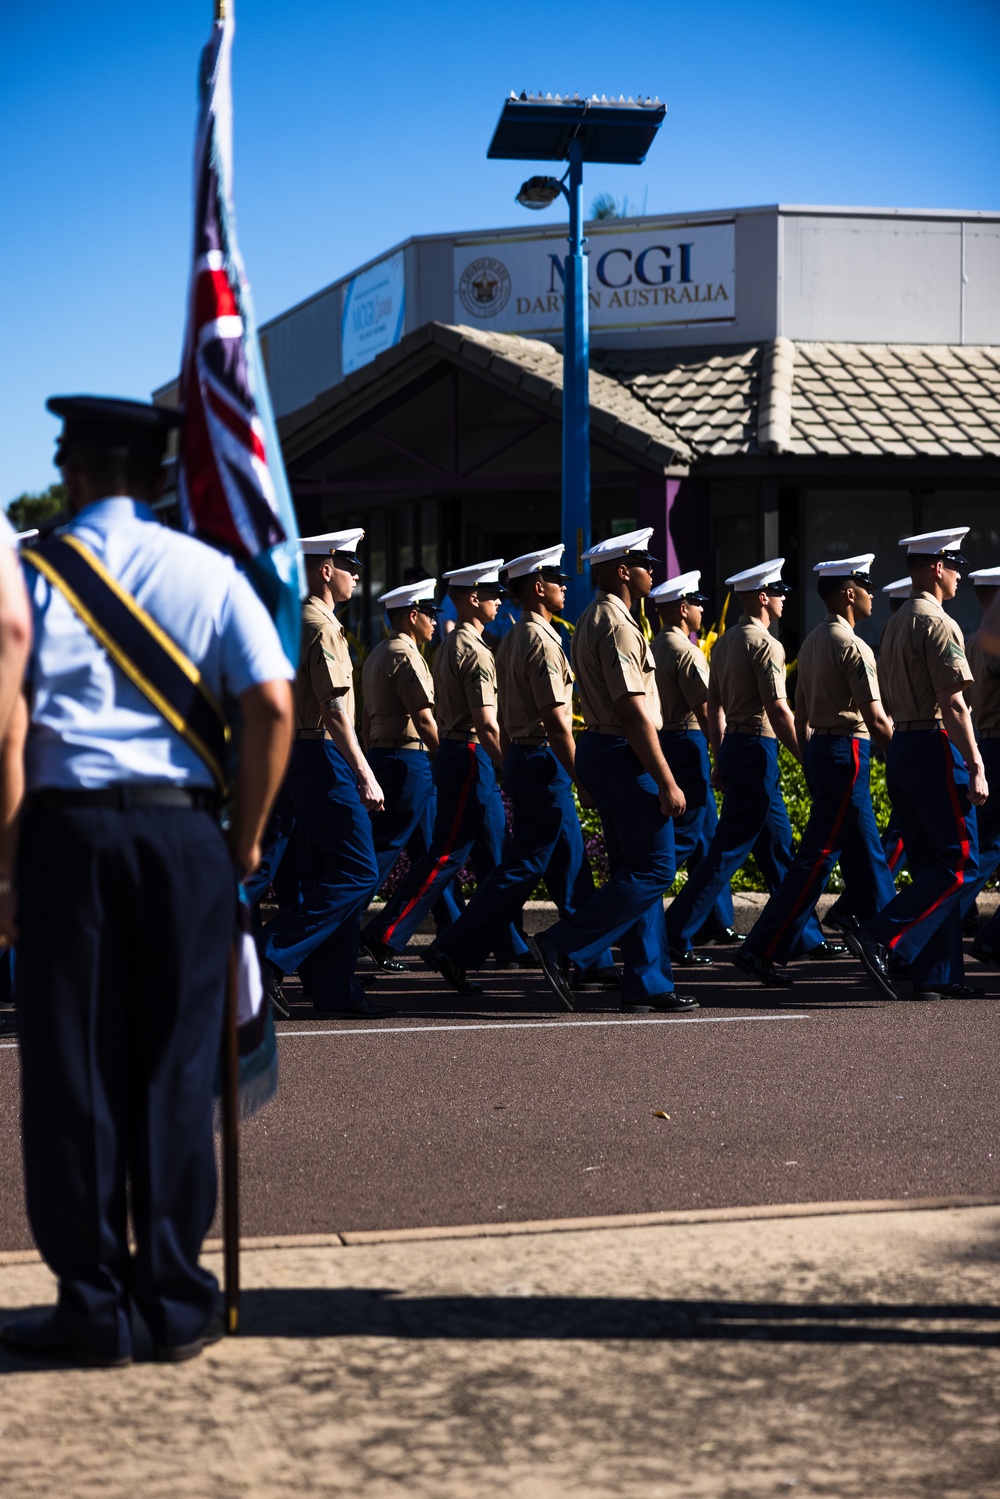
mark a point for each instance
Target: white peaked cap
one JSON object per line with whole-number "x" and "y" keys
{"x": 986, "y": 577}
{"x": 929, "y": 543}
{"x": 410, "y": 594}
{"x": 619, "y": 546}
{"x": 901, "y": 589}
{"x": 843, "y": 567}
{"x": 479, "y": 572}
{"x": 533, "y": 562}
{"x": 331, "y": 541}
{"x": 676, "y": 588}
{"x": 756, "y": 578}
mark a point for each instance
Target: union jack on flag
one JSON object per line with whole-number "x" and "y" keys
{"x": 232, "y": 488}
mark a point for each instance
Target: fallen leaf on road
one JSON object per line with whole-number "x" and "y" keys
{"x": 659, "y": 1114}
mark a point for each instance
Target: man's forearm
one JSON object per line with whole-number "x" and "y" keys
{"x": 342, "y": 732}
{"x": 957, "y": 721}
{"x": 780, "y": 718}
{"x": 485, "y": 724}
{"x": 265, "y": 744}
{"x": 12, "y": 784}
{"x": 561, "y": 741}
{"x": 716, "y": 725}
{"x": 427, "y": 728}
{"x": 645, "y": 745}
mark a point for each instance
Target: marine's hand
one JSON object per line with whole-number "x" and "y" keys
{"x": 8, "y": 916}
{"x": 716, "y": 779}
{"x": 246, "y": 857}
{"x": 370, "y": 793}
{"x": 978, "y": 789}
{"x": 585, "y": 799}
{"x": 673, "y": 802}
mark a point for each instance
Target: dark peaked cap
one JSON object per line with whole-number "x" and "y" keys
{"x": 106, "y": 422}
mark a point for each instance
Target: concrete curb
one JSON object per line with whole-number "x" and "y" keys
{"x": 356, "y": 1238}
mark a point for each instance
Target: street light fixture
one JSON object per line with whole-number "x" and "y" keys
{"x": 575, "y": 130}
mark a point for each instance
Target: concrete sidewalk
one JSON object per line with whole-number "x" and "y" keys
{"x": 771, "y": 1351}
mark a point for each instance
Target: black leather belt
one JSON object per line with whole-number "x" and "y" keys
{"x": 461, "y": 737}
{"x": 920, "y": 726}
{"x": 839, "y": 733}
{"x": 399, "y": 744}
{"x": 530, "y": 743}
{"x": 125, "y": 796}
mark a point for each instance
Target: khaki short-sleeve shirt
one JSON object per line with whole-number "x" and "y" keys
{"x": 612, "y": 660}
{"x": 747, "y": 670}
{"x": 532, "y": 673}
{"x": 397, "y": 684}
{"x": 681, "y": 677}
{"x": 922, "y": 654}
{"x": 325, "y": 666}
{"x": 465, "y": 676}
{"x": 984, "y": 691}
{"x": 836, "y": 675}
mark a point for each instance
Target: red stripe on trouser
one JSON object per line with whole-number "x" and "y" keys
{"x": 824, "y": 855}
{"x": 963, "y": 847}
{"x": 897, "y": 854}
{"x": 446, "y": 851}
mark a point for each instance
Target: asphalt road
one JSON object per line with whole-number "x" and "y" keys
{"x": 504, "y": 1108}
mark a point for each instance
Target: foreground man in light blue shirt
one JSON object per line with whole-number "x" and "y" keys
{"x": 126, "y": 897}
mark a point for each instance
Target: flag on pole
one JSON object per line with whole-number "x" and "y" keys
{"x": 232, "y": 488}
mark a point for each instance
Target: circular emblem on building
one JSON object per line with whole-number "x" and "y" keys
{"x": 485, "y": 287}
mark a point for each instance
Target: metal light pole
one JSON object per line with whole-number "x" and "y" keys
{"x": 574, "y": 130}
{"x": 576, "y": 396}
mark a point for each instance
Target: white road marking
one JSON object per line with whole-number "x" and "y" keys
{"x": 540, "y": 1025}
{"x": 521, "y": 1025}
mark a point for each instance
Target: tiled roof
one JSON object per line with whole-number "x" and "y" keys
{"x": 535, "y": 367}
{"x": 901, "y": 400}
{"x": 710, "y": 399}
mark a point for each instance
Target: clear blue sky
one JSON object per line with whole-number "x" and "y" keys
{"x": 358, "y": 125}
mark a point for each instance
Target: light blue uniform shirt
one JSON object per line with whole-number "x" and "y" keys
{"x": 90, "y": 727}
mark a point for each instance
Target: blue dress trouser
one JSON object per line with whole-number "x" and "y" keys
{"x": 120, "y": 986}
{"x": 922, "y": 925}
{"x": 407, "y": 820}
{"x": 639, "y": 839}
{"x": 841, "y": 826}
{"x": 469, "y": 805}
{"x": 547, "y": 840}
{"x": 686, "y": 752}
{"x": 754, "y": 820}
{"x": 988, "y": 829}
{"x": 319, "y": 937}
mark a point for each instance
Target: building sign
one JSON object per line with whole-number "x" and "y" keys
{"x": 374, "y": 306}
{"x": 638, "y": 278}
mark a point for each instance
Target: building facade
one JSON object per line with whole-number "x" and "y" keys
{"x": 795, "y": 380}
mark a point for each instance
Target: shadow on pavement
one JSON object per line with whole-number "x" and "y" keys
{"x": 311, "y": 1313}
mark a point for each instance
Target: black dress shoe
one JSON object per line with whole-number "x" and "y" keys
{"x": 662, "y": 1004}
{"x": 874, "y": 959}
{"x": 720, "y": 935}
{"x": 555, "y": 968}
{"x": 381, "y": 954}
{"x": 983, "y": 953}
{"x": 688, "y": 958}
{"x": 948, "y": 991}
{"x": 526, "y": 960}
{"x": 364, "y": 1009}
{"x": 272, "y": 979}
{"x": 762, "y": 969}
{"x": 39, "y": 1337}
{"x": 452, "y": 972}
{"x": 177, "y": 1353}
{"x": 824, "y": 950}
{"x": 970, "y": 923}
{"x": 841, "y": 921}
{"x": 596, "y": 978}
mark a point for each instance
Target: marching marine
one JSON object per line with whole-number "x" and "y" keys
{"x": 535, "y": 686}
{"x": 936, "y": 779}
{"x": 838, "y": 713}
{"x": 620, "y": 764}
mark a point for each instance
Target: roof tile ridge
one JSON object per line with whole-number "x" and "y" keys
{"x": 774, "y": 411}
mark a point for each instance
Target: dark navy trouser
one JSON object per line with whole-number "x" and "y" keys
{"x": 841, "y": 826}
{"x": 120, "y": 987}
{"x": 547, "y": 840}
{"x": 686, "y": 752}
{"x": 319, "y": 937}
{"x": 929, "y": 786}
{"x": 640, "y": 845}
{"x": 407, "y": 820}
{"x": 469, "y": 805}
{"x": 754, "y": 820}
{"x": 988, "y": 830}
